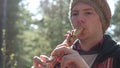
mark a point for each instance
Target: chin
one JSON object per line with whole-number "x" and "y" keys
{"x": 81, "y": 37}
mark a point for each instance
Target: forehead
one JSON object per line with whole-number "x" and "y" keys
{"x": 82, "y": 6}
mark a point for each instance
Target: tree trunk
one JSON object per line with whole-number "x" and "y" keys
{"x": 1, "y": 17}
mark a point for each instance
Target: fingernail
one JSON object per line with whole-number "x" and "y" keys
{"x": 51, "y": 58}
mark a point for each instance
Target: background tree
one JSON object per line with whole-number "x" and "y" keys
{"x": 116, "y": 22}
{"x": 56, "y": 21}
{"x": 11, "y": 32}
{"x": 41, "y": 36}
{"x": 1, "y": 38}
{"x": 27, "y": 36}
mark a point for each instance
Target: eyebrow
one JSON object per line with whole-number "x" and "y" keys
{"x": 87, "y": 9}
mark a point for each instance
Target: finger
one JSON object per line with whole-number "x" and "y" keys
{"x": 73, "y": 60}
{"x": 38, "y": 61}
{"x": 65, "y": 61}
{"x": 68, "y": 61}
{"x": 60, "y": 51}
{"x": 63, "y": 44}
{"x": 36, "y": 67}
{"x": 44, "y": 58}
{"x": 34, "y": 61}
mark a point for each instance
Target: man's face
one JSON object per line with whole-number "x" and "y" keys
{"x": 85, "y": 16}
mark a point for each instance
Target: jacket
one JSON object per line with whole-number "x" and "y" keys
{"x": 108, "y": 53}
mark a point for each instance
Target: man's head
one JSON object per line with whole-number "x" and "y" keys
{"x": 101, "y": 7}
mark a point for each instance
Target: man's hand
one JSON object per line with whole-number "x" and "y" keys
{"x": 70, "y": 59}
{"x": 40, "y": 62}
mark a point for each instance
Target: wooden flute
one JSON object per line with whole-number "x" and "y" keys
{"x": 71, "y": 37}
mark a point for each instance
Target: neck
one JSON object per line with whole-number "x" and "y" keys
{"x": 87, "y": 44}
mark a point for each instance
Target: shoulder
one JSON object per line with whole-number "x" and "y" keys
{"x": 116, "y": 53}
{"x": 116, "y": 57}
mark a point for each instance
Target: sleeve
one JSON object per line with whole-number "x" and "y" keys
{"x": 116, "y": 58}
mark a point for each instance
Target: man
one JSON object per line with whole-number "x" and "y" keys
{"x": 94, "y": 49}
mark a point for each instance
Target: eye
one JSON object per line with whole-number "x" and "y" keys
{"x": 88, "y": 13}
{"x": 74, "y": 13}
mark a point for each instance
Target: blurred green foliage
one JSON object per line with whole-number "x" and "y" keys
{"x": 27, "y": 37}
{"x": 116, "y": 21}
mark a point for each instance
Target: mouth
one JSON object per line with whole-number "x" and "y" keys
{"x": 78, "y": 31}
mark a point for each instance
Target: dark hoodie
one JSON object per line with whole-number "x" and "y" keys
{"x": 107, "y": 49}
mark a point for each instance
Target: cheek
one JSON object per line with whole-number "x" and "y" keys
{"x": 75, "y": 23}
{"x": 97, "y": 26}
{"x": 99, "y": 23}
{"x": 94, "y": 24}
{"x": 96, "y": 21}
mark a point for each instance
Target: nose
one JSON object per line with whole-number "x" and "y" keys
{"x": 78, "y": 21}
